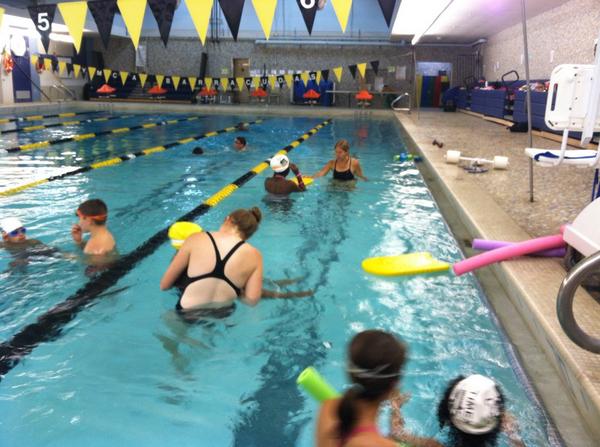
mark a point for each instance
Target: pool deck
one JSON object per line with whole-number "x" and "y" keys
{"x": 495, "y": 205}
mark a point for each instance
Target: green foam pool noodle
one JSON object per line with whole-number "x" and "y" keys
{"x": 315, "y": 385}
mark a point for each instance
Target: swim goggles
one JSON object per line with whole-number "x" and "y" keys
{"x": 375, "y": 373}
{"x": 17, "y": 232}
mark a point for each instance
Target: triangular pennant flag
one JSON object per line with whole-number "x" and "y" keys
{"x": 312, "y": 75}
{"x": 106, "y": 72}
{"x": 309, "y": 10}
{"x": 133, "y": 16}
{"x": 103, "y": 12}
{"x": 33, "y": 58}
{"x": 289, "y": 80}
{"x": 272, "y": 82}
{"x": 200, "y": 13}
{"x": 318, "y": 77}
{"x": 375, "y": 66}
{"x": 231, "y": 83}
{"x": 216, "y": 83}
{"x": 176, "y": 80}
{"x": 73, "y": 14}
{"x": 387, "y": 7}
{"x": 342, "y": 11}
{"x": 232, "y": 10}
{"x": 240, "y": 83}
{"x": 184, "y": 81}
{"x": 280, "y": 81}
{"x": 265, "y": 10}
{"x": 297, "y": 77}
{"x": 208, "y": 83}
{"x": 159, "y": 79}
{"x": 48, "y": 64}
{"x": 264, "y": 82}
{"x": 124, "y": 75}
{"x": 362, "y": 69}
{"x": 248, "y": 82}
{"x": 256, "y": 81}
{"x": 224, "y": 82}
{"x": 76, "y": 69}
{"x": 163, "y": 11}
{"x": 192, "y": 80}
{"x": 143, "y": 77}
{"x": 43, "y": 16}
{"x": 352, "y": 70}
{"x": 304, "y": 76}
{"x": 338, "y": 73}
{"x": 1, "y": 15}
{"x": 325, "y": 74}
{"x": 92, "y": 72}
{"x": 61, "y": 67}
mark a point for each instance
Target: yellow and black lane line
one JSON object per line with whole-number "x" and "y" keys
{"x": 64, "y": 123}
{"x": 41, "y": 117}
{"x": 86, "y": 136}
{"x": 120, "y": 159}
{"x": 50, "y": 325}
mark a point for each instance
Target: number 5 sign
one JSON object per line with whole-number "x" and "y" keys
{"x": 43, "y": 16}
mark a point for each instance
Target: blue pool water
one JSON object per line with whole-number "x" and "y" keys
{"x": 126, "y": 371}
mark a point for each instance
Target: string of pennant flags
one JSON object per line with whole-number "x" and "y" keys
{"x": 103, "y": 12}
{"x": 218, "y": 83}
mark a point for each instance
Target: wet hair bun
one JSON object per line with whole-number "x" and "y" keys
{"x": 255, "y": 211}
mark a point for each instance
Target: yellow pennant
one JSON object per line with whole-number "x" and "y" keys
{"x": 224, "y": 84}
{"x": 143, "y": 77}
{"x": 33, "y": 59}
{"x": 175, "y": 80}
{"x": 76, "y": 69}
{"x": 159, "y": 79}
{"x": 361, "y": 69}
{"x": 200, "y": 12}
{"x": 265, "y": 10}
{"x": 272, "y": 81}
{"x": 92, "y": 72}
{"x": 240, "y": 83}
{"x": 1, "y": 15}
{"x": 192, "y": 80}
{"x": 304, "y": 76}
{"x": 342, "y": 11}
{"x": 62, "y": 66}
{"x": 124, "y": 75}
{"x": 133, "y": 16}
{"x": 338, "y": 73}
{"x": 318, "y": 76}
{"x": 289, "y": 80}
{"x": 256, "y": 81}
{"x": 208, "y": 83}
{"x": 74, "y": 16}
{"x": 107, "y": 72}
{"x": 48, "y": 64}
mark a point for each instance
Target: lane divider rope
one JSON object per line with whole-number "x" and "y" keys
{"x": 50, "y": 325}
{"x": 116, "y": 160}
{"x": 64, "y": 123}
{"x": 41, "y": 117}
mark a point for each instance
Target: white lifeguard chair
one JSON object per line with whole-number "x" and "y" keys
{"x": 573, "y": 105}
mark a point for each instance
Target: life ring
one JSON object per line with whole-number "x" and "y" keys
{"x": 7, "y": 62}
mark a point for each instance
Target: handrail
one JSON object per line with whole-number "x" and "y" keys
{"x": 405, "y": 94}
{"x": 564, "y": 303}
{"x": 61, "y": 86}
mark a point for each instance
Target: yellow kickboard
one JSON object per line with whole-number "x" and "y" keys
{"x": 307, "y": 180}
{"x": 408, "y": 264}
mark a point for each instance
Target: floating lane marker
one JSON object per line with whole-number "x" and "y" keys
{"x": 50, "y": 325}
{"x": 28, "y": 147}
{"x": 64, "y": 123}
{"x": 41, "y": 117}
{"x": 111, "y": 161}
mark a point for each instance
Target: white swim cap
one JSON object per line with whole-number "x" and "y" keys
{"x": 280, "y": 163}
{"x": 10, "y": 224}
{"x": 474, "y": 405}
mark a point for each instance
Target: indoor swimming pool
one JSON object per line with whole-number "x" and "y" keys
{"x": 126, "y": 370}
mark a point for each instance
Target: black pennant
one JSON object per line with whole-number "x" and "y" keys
{"x": 232, "y": 84}
{"x": 103, "y": 12}
{"x": 325, "y": 74}
{"x": 248, "y": 82}
{"x": 69, "y": 68}
{"x": 216, "y": 84}
{"x": 43, "y": 16}
{"x": 232, "y": 9}
{"x": 312, "y": 76}
{"x": 352, "y": 70}
{"x": 375, "y": 66}
{"x": 308, "y": 8}
{"x": 387, "y": 7}
{"x": 264, "y": 82}
{"x": 163, "y": 11}
{"x": 297, "y": 77}
{"x": 280, "y": 81}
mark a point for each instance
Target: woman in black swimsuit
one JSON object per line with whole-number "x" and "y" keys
{"x": 344, "y": 167}
{"x": 219, "y": 267}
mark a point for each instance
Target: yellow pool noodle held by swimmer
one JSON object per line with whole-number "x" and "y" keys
{"x": 180, "y": 231}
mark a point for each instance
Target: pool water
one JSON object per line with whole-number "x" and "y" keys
{"x": 127, "y": 371}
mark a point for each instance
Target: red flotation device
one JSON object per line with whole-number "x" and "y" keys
{"x": 208, "y": 92}
{"x": 156, "y": 90}
{"x": 259, "y": 93}
{"x": 311, "y": 94}
{"x": 364, "y": 95}
{"x": 107, "y": 89}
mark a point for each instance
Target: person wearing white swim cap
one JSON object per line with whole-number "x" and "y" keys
{"x": 278, "y": 184}
{"x": 15, "y": 241}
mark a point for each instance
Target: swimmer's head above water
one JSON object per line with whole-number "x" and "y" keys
{"x": 13, "y": 230}
{"x": 180, "y": 231}
{"x": 280, "y": 165}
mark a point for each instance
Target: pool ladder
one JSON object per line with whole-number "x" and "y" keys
{"x": 564, "y": 303}
{"x": 401, "y": 109}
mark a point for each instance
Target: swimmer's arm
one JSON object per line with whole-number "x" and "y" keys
{"x": 323, "y": 171}
{"x": 511, "y": 428}
{"x": 358, "y": 169}
{"x": 253, "y": 289}
{"x": 296, "y": 171}
{"x": 178, "y": 264}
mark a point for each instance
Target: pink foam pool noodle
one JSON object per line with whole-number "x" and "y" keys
{"x": 512, "y": 251}
{"x": 487, "y": 244}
